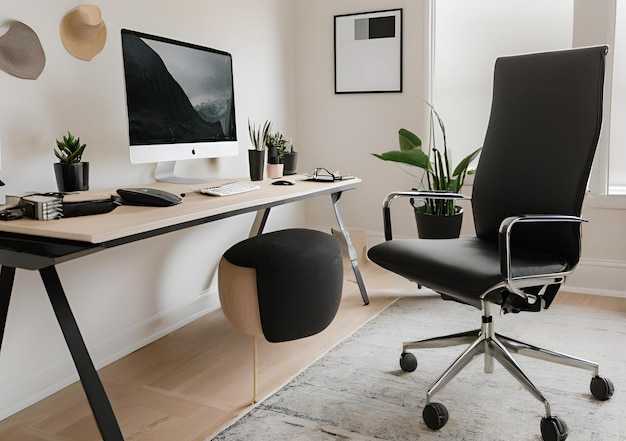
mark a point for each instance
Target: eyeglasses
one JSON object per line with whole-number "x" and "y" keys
{"x": 323, "y": 175}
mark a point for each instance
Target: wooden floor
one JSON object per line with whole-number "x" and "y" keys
{"x": 189, "y": 384}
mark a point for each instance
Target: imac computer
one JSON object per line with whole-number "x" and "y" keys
{"x": 180, "y": 102}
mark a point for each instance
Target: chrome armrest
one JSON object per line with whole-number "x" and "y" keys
{"x": 504, "y": 242}
{"x": 419, "y": 194}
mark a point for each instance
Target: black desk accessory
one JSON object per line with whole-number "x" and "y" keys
{"x": 284, "y": 182}
{"x": 148, "y": 196}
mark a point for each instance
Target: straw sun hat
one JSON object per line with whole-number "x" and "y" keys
{"x": 83, "y": 31}
{"x": 21, "y": 54}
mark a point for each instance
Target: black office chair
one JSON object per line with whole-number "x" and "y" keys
{"x": 526, "y": 200}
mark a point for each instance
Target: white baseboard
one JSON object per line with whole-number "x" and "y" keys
{"x": 598, "y": 277}
{"x": 62, "y": 372}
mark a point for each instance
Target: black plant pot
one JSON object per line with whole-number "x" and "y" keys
{"x": 272, "y": 155}
{"x": 72, "y": 176}
{"x": 431, "y": 226}
{"x": 256, "y": 160}
{"x": 291, "y": 162}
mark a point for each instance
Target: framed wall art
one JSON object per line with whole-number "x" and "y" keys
{"x": 368, "y": 52}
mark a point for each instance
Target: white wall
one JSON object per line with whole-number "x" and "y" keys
{"x": 283, "y": 62}
{"x": 127, "y": 296}
{"x": 344, "y": 129}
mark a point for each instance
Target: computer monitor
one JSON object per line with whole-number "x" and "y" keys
{"x": 180, "y": 102}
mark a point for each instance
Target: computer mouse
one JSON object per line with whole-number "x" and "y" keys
{"x": 148, "y": 196}
{"x": 284, "y": 182}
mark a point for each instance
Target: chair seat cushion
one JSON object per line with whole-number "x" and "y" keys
{"x": 299, "y": 280}
{"x": 463, "y": 268}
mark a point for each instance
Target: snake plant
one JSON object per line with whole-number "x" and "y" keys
{"x": 436, "y": 163}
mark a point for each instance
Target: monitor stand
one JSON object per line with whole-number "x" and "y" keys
{"x": 164, "y": 172}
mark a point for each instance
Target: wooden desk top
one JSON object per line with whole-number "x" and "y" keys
{"x": 128, "y": 221}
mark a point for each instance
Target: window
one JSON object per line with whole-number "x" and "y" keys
{"x": 617, "y": 134}
{"x": 467, "y": 38}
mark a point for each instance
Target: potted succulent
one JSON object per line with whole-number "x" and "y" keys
{"x": 256, "y": 155}
{"x": 433, "y": 215}
{"x": 282, "y": 151}
{"x": 71, "y": 174}
{"x": 276, "y": 144}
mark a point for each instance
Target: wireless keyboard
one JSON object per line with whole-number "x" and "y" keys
{"x": 229, "y": 188}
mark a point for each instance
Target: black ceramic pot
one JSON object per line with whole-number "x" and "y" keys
{"x": 73, "y": 176}
{"x": 291, "y": 162}
{"x": 256, "y": 159}
{"x": 431, "y": 226}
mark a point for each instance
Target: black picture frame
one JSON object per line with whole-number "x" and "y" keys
{"x": 368, "y": 52}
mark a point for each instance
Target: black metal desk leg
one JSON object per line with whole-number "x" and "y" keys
{"x": 98, "y": 400}
{"x": 259, "y": 222}
{"x": 7, "y": 275}
{"x": 351, "y": 252}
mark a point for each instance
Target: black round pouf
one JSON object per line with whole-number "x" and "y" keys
{"x": 299, "y": 275}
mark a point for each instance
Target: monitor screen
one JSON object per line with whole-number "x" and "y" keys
{"x": 179, "y": 99}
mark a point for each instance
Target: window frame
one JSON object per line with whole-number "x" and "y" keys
{"x": 595, "y": 23}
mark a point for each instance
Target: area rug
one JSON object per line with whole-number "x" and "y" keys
{"x": 358, "y": 392}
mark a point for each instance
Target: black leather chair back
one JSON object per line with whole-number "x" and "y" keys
{"x": 543, "y": 129}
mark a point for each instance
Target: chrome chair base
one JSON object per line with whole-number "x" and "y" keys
{"x": 493, "y": 346}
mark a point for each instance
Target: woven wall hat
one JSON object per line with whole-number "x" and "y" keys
{"x": 83, "y": 31}
{"x": 21, "y": 53}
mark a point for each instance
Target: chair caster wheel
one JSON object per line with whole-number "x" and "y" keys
{"x": 601, "y": 388}
{"x": 408, "y": 362}
{"x": 435, "y": 415}
{"x": 553, "y": 429}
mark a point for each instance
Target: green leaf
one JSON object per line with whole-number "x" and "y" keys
{"x": 416, "y": 158}
{"x": 408, "y": 140}
{"x": 259, "y": 136}
{"x": 62, "y": 158}
{"x": 465, "y": 162}
{"x": 70, "y": 141}
{"x": 453, "y": 185}
{"x": 440, "y": 175}
{"x": 76, "y": 155}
